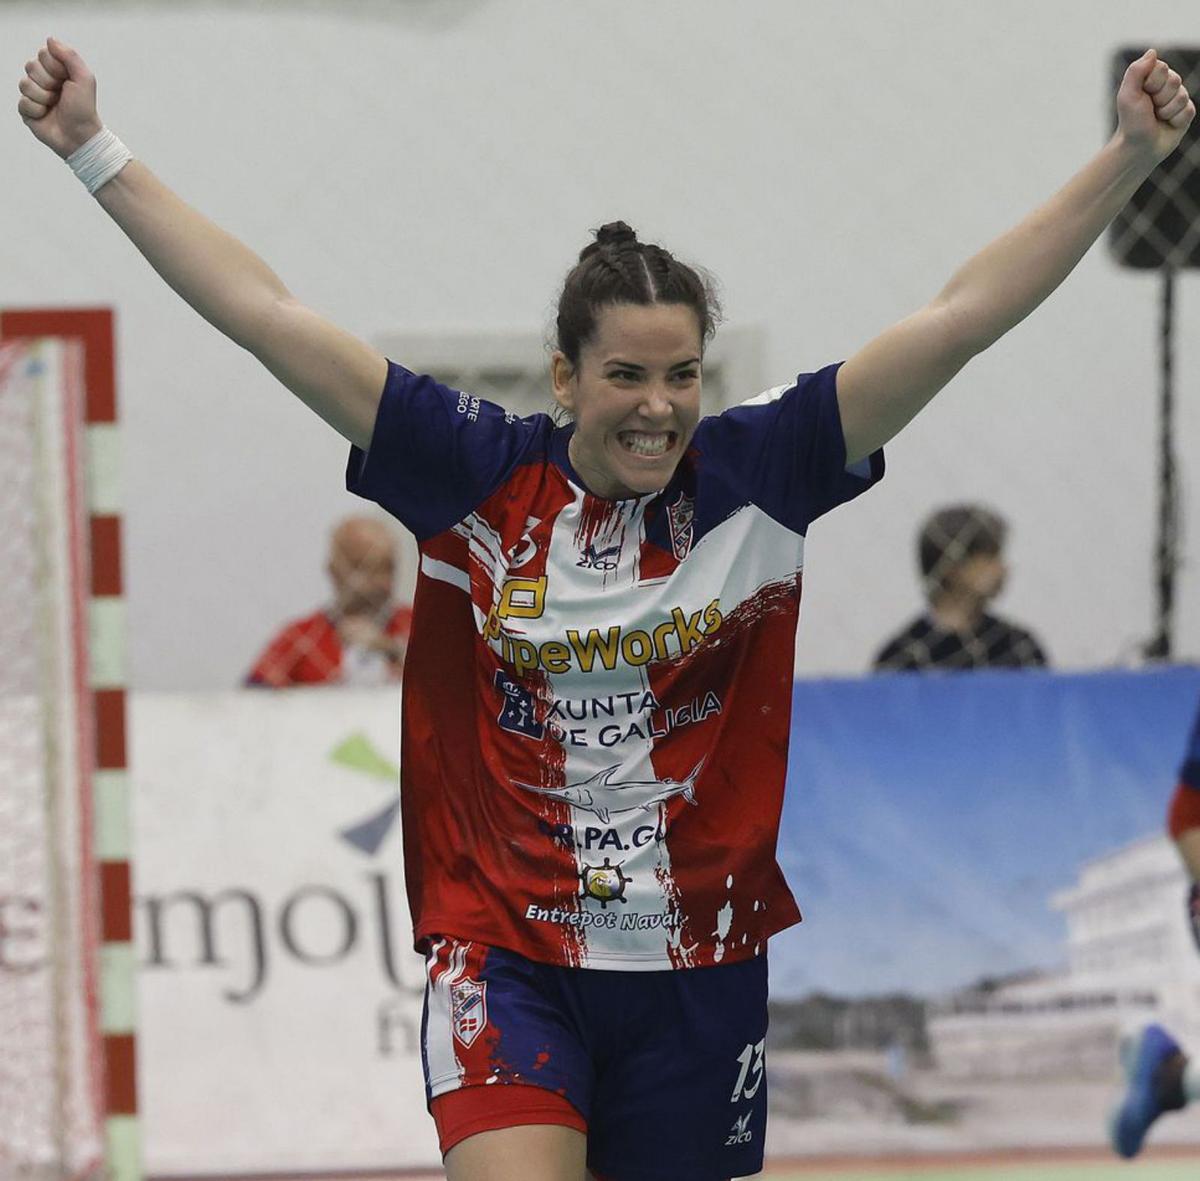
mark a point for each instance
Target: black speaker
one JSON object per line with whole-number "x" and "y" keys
{"x": 1160, "y": 227}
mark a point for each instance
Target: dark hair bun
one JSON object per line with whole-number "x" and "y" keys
{"x": 614, "y": 233}
{"x": 618, "y": 269}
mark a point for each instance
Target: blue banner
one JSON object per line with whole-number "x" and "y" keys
{"x": 930, "y": 819}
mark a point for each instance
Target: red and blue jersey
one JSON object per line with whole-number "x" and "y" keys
{"x": 597, "y": 693}
{"x": 1189, "y": 772}
{"x": 1184, "y": 811}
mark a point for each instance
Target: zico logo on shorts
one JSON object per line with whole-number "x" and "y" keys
{"x": 525, "y": 598}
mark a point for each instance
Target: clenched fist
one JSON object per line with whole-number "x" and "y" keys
{"x": 58, "y": 98}
{"x": 1154, "y": 109}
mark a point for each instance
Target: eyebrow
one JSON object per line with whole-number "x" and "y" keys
{"x": 642, "y": 368}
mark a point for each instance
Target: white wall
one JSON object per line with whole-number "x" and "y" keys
{"x": 432, "y": 165}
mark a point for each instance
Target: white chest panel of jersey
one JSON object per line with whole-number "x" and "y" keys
{"x": 594, "y": 629}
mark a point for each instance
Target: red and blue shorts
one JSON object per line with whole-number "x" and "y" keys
{"x": 663, "y": 1071}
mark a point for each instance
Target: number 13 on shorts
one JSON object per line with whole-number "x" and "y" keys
{"x": 750, "y": 1075}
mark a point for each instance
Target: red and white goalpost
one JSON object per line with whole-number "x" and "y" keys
{"x": 67, "y": 1063}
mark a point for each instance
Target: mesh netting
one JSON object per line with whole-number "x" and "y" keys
{"x": 48, "y": 1117}
{"x": 1161, "y": 225}
{"x": 960, "y": 552}
{"x": 360, "y": 635}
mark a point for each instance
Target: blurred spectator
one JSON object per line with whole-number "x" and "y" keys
{"x": 961, "y": 554}
{"x": 360, "y": 639}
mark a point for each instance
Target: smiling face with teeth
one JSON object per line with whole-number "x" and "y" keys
{"x": 635, "y": 397}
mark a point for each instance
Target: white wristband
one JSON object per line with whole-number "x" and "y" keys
{"x": 99, "y": 160}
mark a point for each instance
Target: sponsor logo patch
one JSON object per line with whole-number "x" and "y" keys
{"x": 526, "y": 548}
{"x": 740, "y": 1132}
{"x": 601, "y": 795}
{"x": 605, "y": 883}
{"x": 517, "y": 714}
{"x": 603, "y": 559}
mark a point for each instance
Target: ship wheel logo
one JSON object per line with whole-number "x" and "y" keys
{"x": 605, "y": 883}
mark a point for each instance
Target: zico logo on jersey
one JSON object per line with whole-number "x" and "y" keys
{"x": 525, "y": 598}
{"x": 594, "y": 559}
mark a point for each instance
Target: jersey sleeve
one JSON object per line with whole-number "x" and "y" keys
{"x": 785, "y": 451}
{"x": 1189, "y": 772}
{"x": 436, "y": 453}
{"x": 1184, "y": 811}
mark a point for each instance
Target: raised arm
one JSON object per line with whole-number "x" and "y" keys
{"x": 333, "y": 372}
{"x": 886, "y": 383}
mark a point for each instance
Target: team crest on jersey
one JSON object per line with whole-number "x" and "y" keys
{"x": 681, "y": 516}
{"x": 517, "y": 714}
{"x": 468, "y": 1010}
{"x": 605, "y": 883}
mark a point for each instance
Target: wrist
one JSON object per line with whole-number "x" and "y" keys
{"x": 99, "y": 159}
{"x": 81, "y": 133}
{"x": 1136, "y": 154}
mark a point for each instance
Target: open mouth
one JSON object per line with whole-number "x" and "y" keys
{"x": 648, "y": 444}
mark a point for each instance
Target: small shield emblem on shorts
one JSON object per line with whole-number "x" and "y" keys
{"x": 468, "y": 1010}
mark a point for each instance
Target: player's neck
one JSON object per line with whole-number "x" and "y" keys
{"x": 960, "y": 612}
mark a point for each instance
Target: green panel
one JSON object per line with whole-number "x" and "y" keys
{"x": 123, "y": 1148}
{"x": 103, "y": 468}
{"x": 118, "y": 1001}
{"x": 106, "y": 620}
{"x": 110, "y": 794}
{"x": 359, "y": 754}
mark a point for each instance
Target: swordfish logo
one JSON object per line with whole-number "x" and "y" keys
{"x": 601, "y": 795}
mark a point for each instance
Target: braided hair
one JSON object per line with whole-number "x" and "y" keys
{"x": 617, "y": 269}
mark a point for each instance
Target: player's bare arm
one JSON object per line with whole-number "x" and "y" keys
{"x": 883, "y": 386}
{"x": 333, "y": 372}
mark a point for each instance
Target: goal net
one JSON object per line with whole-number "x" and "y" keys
{"x": 51, "y": 1124}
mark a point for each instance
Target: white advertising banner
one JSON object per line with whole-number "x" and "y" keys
{"x": 280, "y": 999}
